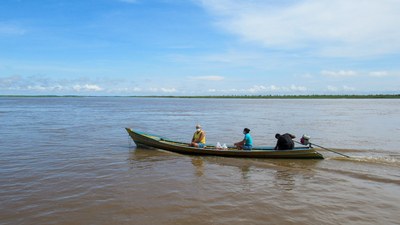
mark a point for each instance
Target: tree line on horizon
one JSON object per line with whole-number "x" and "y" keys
{"x": 314, "y": 96}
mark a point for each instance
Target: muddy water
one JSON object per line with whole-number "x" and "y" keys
{"x": 69, "y": 161}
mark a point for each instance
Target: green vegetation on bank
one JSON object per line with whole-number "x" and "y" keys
{"x": 43, "y": 96}
{"x": 281, "y": 96}
{"x": 386, "y": 96}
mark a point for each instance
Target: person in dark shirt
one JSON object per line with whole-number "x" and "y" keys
{"x": 284, "y": 142}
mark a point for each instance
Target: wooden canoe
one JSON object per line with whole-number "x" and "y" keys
{"x": 147, "y": 140}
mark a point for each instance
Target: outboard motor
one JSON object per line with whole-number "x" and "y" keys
{"x": 305, "y": 140}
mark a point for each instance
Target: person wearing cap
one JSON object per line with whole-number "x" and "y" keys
{"x": 284, "y": 142}
{"x": 199, "y": 138}
{"x": 247, "y": 142}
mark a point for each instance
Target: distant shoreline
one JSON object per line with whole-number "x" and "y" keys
{"x": 377, "y": 96}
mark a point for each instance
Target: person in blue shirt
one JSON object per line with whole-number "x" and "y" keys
{"x": 247, "y": 142}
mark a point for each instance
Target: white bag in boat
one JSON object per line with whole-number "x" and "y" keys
{"x": 305, "y": 139}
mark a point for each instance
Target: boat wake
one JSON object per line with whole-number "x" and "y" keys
{"x": 389, "y": 160}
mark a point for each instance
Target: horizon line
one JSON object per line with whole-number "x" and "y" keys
{"x": 327, "y": 96}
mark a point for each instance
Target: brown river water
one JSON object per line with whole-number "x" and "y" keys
{"x": 70, "y": 161}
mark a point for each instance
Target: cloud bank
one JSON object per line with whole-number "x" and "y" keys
{"x": 324, "y": 82}
{"x": 43, "y": 85}
{"x": 325, "y": 27}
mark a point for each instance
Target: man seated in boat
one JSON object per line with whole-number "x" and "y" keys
{"x": 284, "y": 142}
{"x": 199, "y": 138}
{"x": 247, "y": 142}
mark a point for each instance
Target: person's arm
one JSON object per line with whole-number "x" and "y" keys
{"x": 193, "y": 138}
{"x": 292, "y": 136}
{"x": 240, "y": 142}
{"x": 277, "y": 144}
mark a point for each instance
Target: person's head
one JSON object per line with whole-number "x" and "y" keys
{"x": 277, "y": 135}
{"x": 246, "y": 130}
{"x": 198, "y": 127}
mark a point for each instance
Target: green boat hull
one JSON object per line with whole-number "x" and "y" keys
{"x": 147, "y": 140}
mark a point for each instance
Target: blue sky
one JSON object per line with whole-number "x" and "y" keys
{"x": 199, "y": 47}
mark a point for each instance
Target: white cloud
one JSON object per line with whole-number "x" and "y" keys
{"x": 86, "y": 87}
{"x": 7, "y": 82}
{"x": 297, "y": 88}
{"x": 42, "y": 88}
{"x": 208, "y": 78}
{"x": 163, "y": 90}
{"x": 274, "y": 88}
{"x": 125, "y": 90}
{"x": 332, "y": 88}
{"x": 348, "y": 88}
{"x": 379, "y": 74}
{"x": 365, "y": 74}
{"x": 340, "y": 73}
{"x": 257, "y": 88}
{"x": 43, "y": 84}
{"x": 168, "y": 90}
{"x": 261, "y": 89}
{"x": 339, "y": 89}
{"x": 329, "y": 27}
